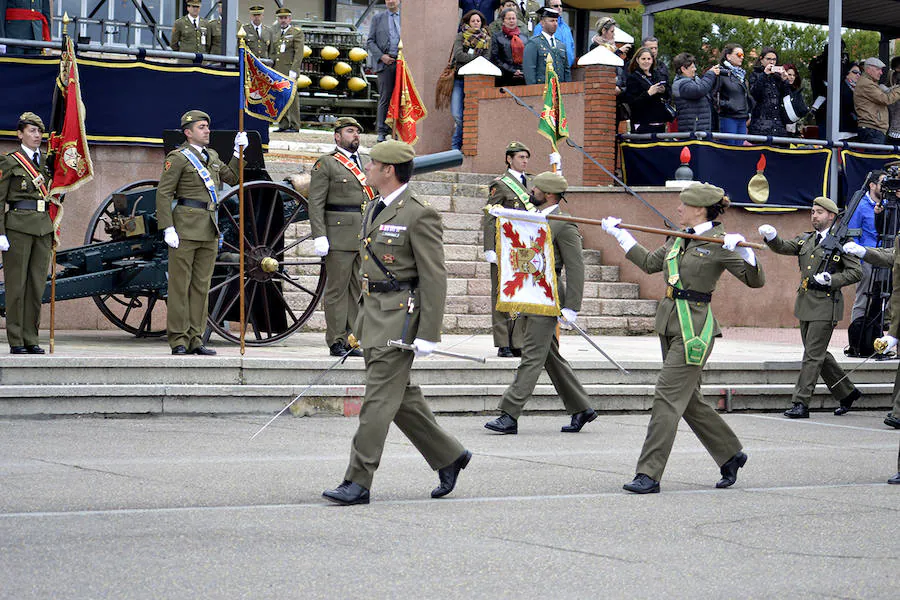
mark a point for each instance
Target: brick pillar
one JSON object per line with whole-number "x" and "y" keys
{"x": 473, "y": 86}
{"x": 599, "y": 123}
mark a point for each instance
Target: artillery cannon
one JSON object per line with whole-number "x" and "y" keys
{"x": 124, "y": 263}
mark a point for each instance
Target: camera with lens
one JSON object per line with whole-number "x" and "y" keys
{"x": 890, "y": 185}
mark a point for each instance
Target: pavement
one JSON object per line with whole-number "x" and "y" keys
{"x": 189, "y": 507}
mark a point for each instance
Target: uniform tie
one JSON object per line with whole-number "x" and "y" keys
{"x": 524, "y": 184}
{"x": 689, "y": 230}
{"x": 205, "y": 155}
{"x": 194, "y": 21}
{"x": 552, "y": 42}
{"x": 818, "y": 238}
{"x": 355, "y": 158}
{"x": 37, "y": 158}
{"x": 377, "y": 210}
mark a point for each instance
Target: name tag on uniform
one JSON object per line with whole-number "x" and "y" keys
{"x": 391, "y": 231}
{"x": 282, "y": 47}
{"x": 202, "y": 39}
{"x": 702, "y": 251}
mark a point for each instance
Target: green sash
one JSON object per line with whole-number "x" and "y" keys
{"x": 695, "y": 347}
{"x": 518, "y": 190}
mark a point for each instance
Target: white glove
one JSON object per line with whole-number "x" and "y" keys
{"x": 322, "y": 246}
{"x": 854, "y": 249}
{"x": 4, "y": 243}
{"x": 823, "y": 278}
{"x": 731, "y": 243}
{"x": 556, "y": 159}
{"x": 423, "y": 347}
{"x": 490, "y": 256}
{"x": 171, "y": 237}
{"x": 889, "y": 340}
{"x": 292, "y": 74}
{"x": 240, "y": 141}
{"x": 768, "y": 232}
{"x": 567, "y": 318}
{"x": 611, "y": 226}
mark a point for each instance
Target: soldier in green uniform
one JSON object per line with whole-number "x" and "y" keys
{"x": 687, "y": 328}
{"x": 215, "y": 31}
{"x": 819, "y": 306}
{"x": 509, "y": 190}
{"x": 26, "y": 235}
{"x": 186, "y": 204}
{"x": 286, "y": 49}
{"x": 337, "y": 194}
{"x": 259, "y": 36}
{"x": 404, "y": 286}
{"x": 540, "y": 350}
{"x": 534, "y": 63}
{"x": 25, "y": 20}
{"x": 190, "y": 33}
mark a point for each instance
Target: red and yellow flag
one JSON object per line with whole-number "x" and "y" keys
{"x": 72, "y": 166}
{"x": 406, "y": 106}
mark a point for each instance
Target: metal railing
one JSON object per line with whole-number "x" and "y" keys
{"x": 111, "y": 28}
{"x": 755, "y": 139}
{"x": 140, "y": 53}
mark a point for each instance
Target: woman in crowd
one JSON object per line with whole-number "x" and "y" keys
{"x": 691, "y": 94}
{"x": 646, "y": 94}
{"x": 768, "y": 87}
{"x": 471, "y": 42}
{"x": 796, "y": 109}
{"x": 731, "y": 96}
{"x": 508, "y": 49}
{"x": 893, "y": 133}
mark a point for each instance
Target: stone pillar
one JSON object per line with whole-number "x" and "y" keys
{"x": 473, "y": 86}
{"x": 599, "y": 122}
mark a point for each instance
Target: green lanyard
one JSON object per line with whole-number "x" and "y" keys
{"x": 517, "y": 189}
{"x": 695, "y": 347}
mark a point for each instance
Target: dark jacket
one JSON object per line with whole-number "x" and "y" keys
{"x": 768, "y": 91}
{"x": 645, "y": 108}
{"x": 849, "y": 120}
{"x": 501, "y": 55}
{"x": 731, "y": 95}
{"x": 691, "y": 98}
{"x": 462, "y": 56}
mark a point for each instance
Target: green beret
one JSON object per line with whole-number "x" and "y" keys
{"x": 826, "y": 203}
{"x": 192, "y": 116}
{"x": 514, "y": 147}
{"x": 392, "y": 152}
{"x": 29, "y": 118}
{"x": 347, "y": 122}
{"x": 701, "y": 194}
{"x": 550, "y": 183}
{"x": 284, "y": 10}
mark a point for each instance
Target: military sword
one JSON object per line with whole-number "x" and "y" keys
{"x": 584, "y": 334}
{"x": 879, "y": 346}
{"x": 411, "y": 348}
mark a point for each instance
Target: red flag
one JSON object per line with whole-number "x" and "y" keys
{"x": 72, "y": 166}
{"x": 406, "y": 106}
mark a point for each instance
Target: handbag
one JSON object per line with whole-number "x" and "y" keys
{"x": 443, "y": 89}
{"x": 670, "y": 108}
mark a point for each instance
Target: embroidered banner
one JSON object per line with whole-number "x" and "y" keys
{"x": 526, "y": 272}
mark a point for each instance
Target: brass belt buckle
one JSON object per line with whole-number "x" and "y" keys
{"x": 41, "y": 206}
{"x": 805, "y": 283}
{"x": 365, "y": 285}
{"x": 670, "y": 293}
{"x": 211, "y": 206}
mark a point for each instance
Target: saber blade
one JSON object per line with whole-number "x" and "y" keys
{"x": 411, "y": 348}
{"x": 584, "y": 334}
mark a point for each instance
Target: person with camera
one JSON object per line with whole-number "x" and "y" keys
{"x": 871, "y": 102}
{"x": 691, "y": 93}
{"x": 768, "y": 86}
{"x": 647, "y": 95}
{"x": 863, "y": 219}
{"x": 731, "y": 97}
{"x": 819, "y": 306}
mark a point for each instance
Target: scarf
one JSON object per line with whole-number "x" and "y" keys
{"x": 738, "y": 72}
{"x": 475, "y": 38}
{"x": 516, "y": 43}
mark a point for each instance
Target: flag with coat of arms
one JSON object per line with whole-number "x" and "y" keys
{"x": 553, "y": 124}
{"x": 267, "y": 93}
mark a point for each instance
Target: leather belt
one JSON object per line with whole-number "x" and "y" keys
{"x": 812, "y": 284}
{"x": 689, "y": 295}
{"x": 389, "y": 285}
{"x": 193, "y": 203}
{"x": 38, "y": 205}
{"x": 342, "y": 208}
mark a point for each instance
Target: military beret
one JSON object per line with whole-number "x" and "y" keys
{"x": 550, "y": 183}
{"x": 701, "y": 194}
{"x": 546, "y": 11}
{"x": 193, "y": 2}
{"x": 257, "y": 9}
{"x": 29, "y": 118}
{"x": 392, "y": 152}
{"x": 347, "y": 122}
{"x": 514, "y": 147}
{"x": 826, "y": 203}
{"x": 284, "y": 10}
{"x": 192, "y": 116}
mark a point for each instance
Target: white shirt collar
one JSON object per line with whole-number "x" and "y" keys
{"x": 199, "y": 149}
{"x": 516, "y": 173}
{"x": 29, "y": 151}
{"x": 824, "y": 234}
{"x": 345, "y": 152}
{"x": 546, "y": 35}
{"x": 393, "y": 195}
{"x": 703, "y": 227}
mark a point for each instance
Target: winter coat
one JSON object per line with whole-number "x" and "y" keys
{"x": 768, "y": 92}
{"x": 645, "y": 109}
{"x": 731, "y": 95}
{"x": 691, "y": 96}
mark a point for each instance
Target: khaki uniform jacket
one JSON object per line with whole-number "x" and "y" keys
{"x": 180, "y": 180}
{"x": 534, "y": 63}
{"x": 871, "y": 103}
{"x": 701, "y": 265}
{"x": 215, "y": 36}
{"x": 567, "y": 252}
{"x": 260, "y": 45}
{"x": 332, "y": 183}
{"x": 498, "y": 193}
{"x": 889, "y": 257}
{"x": 407, "y": 237}
{"x": 287, "y": 49}
{"x": 15, "y": 185}
{"x": 186, "y": 38}
{"x": 818, "y": 305}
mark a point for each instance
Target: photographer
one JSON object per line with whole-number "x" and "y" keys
{"x": 768, "y": 85}
{"x": 863, "y": 218}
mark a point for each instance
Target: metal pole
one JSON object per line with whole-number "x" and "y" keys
{"x": 241, "y": 35}
{"x": 835, "y": 19}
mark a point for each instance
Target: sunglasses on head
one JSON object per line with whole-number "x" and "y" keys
{"x": 855, "y": 71}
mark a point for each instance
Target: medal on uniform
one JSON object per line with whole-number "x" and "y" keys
{"x": 388, "y": 259}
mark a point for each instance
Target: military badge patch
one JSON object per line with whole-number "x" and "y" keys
{"x": 388, "y": 259}
{"x": 168, "y": 164}
{"x": 316, "y": 168}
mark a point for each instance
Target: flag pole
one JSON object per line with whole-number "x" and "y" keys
{"x": 397, "y": 76}
{"x": 241, "y": 34}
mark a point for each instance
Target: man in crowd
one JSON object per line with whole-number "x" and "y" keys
{"x": 863, "y": 219}
{"x": 190, "y": 182}
{"x": 871, "y": 102}
{"x": 849, "y": 121}
{"x": 819, "y": 306}
{"x": 383, "y": 42}
{"x": 215, "y": 31}
{"x": 563, "y": 32}
{"x": 286, "y": 49}
{"x": 338, "y": 190}
{"x": 190, "y": 33}
{"x": 259, "y": 36}
{"x": 534, "y": 63}
{"x": 652, "y": 44}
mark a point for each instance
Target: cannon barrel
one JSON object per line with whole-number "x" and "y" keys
{"x": 428, "y": 163}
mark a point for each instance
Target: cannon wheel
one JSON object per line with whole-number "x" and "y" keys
{"x": 136, "y": 313}
{"x": 263, "y": 284}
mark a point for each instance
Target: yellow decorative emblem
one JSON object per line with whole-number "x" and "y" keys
{"x": 673, "y": 279}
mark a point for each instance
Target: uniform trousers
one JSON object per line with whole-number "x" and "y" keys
{"x": 25, "y": 268}
{"x": 190, "y": 272}
{"x": 677, "y": 395}
{"x": 341, "y": 295}
{"x": 291, "y": 118}
{"x": 506, "y": 331}
{"x": 540, "y": 350}
{"x": 390, "y": 397}
{"x": 818, "y": 360}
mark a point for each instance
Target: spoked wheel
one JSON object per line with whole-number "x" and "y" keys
{"x": 281, "y": 289}
{"x": 141, "y": 313}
